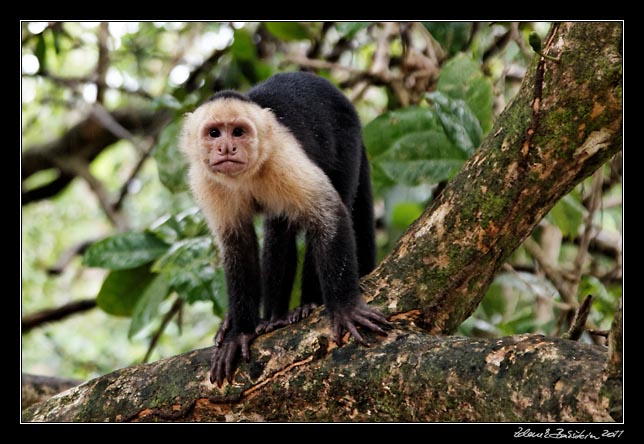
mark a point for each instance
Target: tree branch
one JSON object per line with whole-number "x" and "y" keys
{"x": 407, "y": 377}
{"x": 84, "y": 141}
{"x": 579, "y": 323}
{"x": 55, "y": 314}
{"x": 531, "y": 158}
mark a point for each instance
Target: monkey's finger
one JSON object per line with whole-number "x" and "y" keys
{"x": 337, "y": 333}
{"x": 354, "y": 332}
{"x": 375, "y": 315}
{"x": 245, "y": 349}
{"x": 365, "y": 322}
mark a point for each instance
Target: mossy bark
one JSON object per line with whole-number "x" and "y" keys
{"x": 564, "y": 123}
{"x": 409, "y": 376}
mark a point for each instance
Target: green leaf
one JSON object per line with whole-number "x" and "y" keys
{"x": 456, "y": 75}
{"x": 243, "y": 47}
{"x": 124, "y": 250}
{"x": 459, "y": 123}
{"x": 479, "y": 98}
{"x": 122, "y": 289}
{"x": 147, "y": 307}
{"x": 41, "y": 52}
{"x": 171, "y": 163}
{"x": 189, "y": 268}
{"x": 461, "y": 78}
{"x": 567, "y": 215}
{"x": 405, "y": 213}
{"x": 349, "y": 29}
{"x": 453, "y": 36}
{"x": 421, "y": 157}
{"x": 415, "y": 172}
{"x": 187, "y": 224}
{"x": 494, "y": 302}
{"x": 288, "y": 31}
{"x": 380, "y": 134}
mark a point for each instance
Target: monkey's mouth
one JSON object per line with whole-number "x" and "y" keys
{"x": 228, "y": 166}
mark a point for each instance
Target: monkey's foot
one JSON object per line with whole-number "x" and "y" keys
{"x": 358, "y": 314}
{"x": 292, "y": 317}
{"x": 224, "y": 358}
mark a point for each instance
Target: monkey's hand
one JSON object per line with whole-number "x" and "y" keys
{"x": 223, "y": 329}
{"x": 292, "y": 317}
{"x": 359, "y": 313}
{"x": 225, "y": 356}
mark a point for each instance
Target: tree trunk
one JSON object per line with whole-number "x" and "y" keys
{"x": 565, "y": 122}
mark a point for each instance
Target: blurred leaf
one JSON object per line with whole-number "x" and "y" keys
{"x": 187, "y": 224}
{"x": 288, "y": 31}
{"x": 349, "y": 29}
{"x": 593, "y": 286}
{"x": 453, "y": 36}
{"x": 171, "y": 163}
{"x": 41, "y": 52}
{"x": 567, "y": 215}
{"x": 523, "y": 320}
{"x": 479, "y": 97}
{"x": 147, "y": 307}
{"x": 188, "y": 267}
{"x": 421, "y": 157}
{"x": 461, "y": 126}
{"x": 461, "y": 78}
{"x": 122, "y": 289}
{"x": 381, "y": 133}
{"x": 405, "y": 213}
{"x": 494, "y": 302}
{"x": 124, "y": 250}
{"x": 456, "y": 75}
{"x": 243, "y": 47}
{"x": 167, "y": 101}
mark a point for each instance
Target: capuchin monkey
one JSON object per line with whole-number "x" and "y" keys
{"x": 291, "y": 148}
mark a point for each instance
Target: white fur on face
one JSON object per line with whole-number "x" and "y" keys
{"x": 279, "y": 176}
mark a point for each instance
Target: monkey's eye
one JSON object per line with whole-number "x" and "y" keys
{"x": 214, "y": 133}
{"x": 238, "y": 132}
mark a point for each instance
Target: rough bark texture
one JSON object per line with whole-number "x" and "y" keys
{"x": 564, "y": 123}
{"x": 409, "y": 376}
{"x": 40, "y": 388}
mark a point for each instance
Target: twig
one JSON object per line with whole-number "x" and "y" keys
{"x": 110, "y": 123}
{"x": 595, "y": 332}
{"x": 103, "y": 62}
{"x": 55, "y": 314}
{"x": 176, "y": 308}
{"x": 560, "y": 280}
{"x": 579, "y": 323}
{"x": 126, "y": 185}
{"x": 68, "y": 255}
{"x": 75, "y": 82}
{"x": 78, "y": 167}
{"x": 560, "y": 305}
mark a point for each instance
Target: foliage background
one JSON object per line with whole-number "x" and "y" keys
{"x": 426, "y": 94}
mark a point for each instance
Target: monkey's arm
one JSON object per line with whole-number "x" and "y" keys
{"x": 334, "y": 250}
{"x": 243, "y": 279}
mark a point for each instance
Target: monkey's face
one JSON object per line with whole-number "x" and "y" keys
{"x": 229, "y": 145}
{"x": 227, "y": 138}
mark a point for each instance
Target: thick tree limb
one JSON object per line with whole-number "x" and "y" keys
{"x": 563, "y": 124}
{"x": 40, "y": 388}
{"x": 407, "y": 377}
